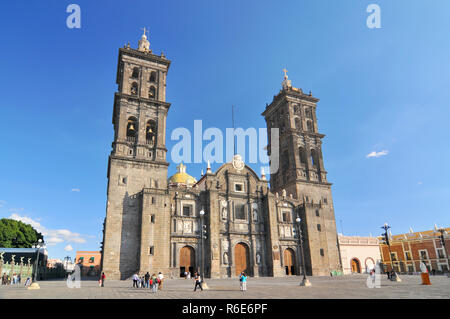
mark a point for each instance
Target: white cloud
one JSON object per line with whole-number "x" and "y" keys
{"x": 51, "y": 236}
{"x": 377, "y": 154}
{"x": 68, "y": 248}
{"x": 419, "y": 183}
{"x": 76, "y": 190}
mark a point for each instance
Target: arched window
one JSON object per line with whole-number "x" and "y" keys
{"x": 132, "y": 129}
{"x": 314, "y": 159}
{"x": 153, "y": 76}
{"x": 308, "y": 113}
{"x": 302, "y": 155}
{"x": 135, "y": 74}
{"x": 150, "y": 132}
{"x": 134, "y": 88}
{"x": 152, "y": 92}
{"x": 310, "y": 126}
{"x": 298, "y": 124}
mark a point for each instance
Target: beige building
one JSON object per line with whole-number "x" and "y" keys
{"x": 156, "y": 224}
{"x": 359, "y": 254}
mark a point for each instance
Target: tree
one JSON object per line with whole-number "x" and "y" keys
{"x": 15, "y": 234}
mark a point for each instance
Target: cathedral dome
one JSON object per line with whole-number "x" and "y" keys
{"x": 181, "y": 178}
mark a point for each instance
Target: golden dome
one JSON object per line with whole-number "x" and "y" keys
{"x": 181, "y": 177}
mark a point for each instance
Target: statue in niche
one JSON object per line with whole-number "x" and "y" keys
{"x": 258, "y": 258}
{"x": 224, "y": 213}
{"x": 225, "y": 258}
{"x": 255, "y": 214}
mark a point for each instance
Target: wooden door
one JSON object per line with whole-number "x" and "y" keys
{"x": 187, "y": 259}
{"x": 289, "y": 263}
{"x": 241, "y": 257}
{"x": 355, "y": 266}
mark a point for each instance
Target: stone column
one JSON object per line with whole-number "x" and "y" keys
{"x": 214, "y": 233}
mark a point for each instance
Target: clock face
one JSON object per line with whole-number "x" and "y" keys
{"x": 238, "y": 163}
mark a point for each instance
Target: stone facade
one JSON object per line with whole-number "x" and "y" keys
{"x": 152, "y": 225}
{"x": 302, "y": 173}
{"x": 359, "y": 254}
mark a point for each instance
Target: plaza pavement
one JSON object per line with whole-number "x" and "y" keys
{"x": 347, "y": 287}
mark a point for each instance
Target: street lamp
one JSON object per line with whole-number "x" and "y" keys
{"x": 202, "y": 245}
{"x": 386, "y": 238}
{"x": 40, "y": 244}
{"x": 305, "y": 282}
{"x": 443, "y": 232}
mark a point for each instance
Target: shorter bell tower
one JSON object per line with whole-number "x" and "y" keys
{"x": 302, "y": 173}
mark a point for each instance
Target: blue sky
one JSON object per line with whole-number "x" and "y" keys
{"x": 379, "y": 89}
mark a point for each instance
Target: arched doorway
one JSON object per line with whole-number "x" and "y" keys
{"x": 187, "y": 260}
{"x": 370, "y": 264}
{"x": 241, "y": 258}
{"x": 289, "y": 261}
{"x": 356, "y": 266}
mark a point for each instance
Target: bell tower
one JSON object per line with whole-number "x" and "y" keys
{"x": 302, "y": 173}
{"x": 138, "y": 155}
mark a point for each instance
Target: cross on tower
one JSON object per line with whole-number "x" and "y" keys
{"x": 285, "y": 73}
{"x": 145, "y": 31}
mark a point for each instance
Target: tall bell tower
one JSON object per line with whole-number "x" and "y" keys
{"x": 138, "y": 155}
{"x": 302, "y": 173}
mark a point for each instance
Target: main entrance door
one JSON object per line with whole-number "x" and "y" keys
{"x": 356, "y": 266}
{"x": 241, "y": 258}
{"x": 187, "y": 260}
{"x": 289, "y": 261}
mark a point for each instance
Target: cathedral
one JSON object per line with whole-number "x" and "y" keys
{"x": 227, "y": 221}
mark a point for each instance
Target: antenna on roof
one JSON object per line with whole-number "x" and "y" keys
{"x": 232, "y": 120}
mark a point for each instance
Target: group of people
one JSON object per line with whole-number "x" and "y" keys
{"x": 14, "y": 280}
{"x": 154, "y": 282}
{"x": 8, "y": 280}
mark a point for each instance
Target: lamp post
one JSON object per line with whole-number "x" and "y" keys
{"x": 202, "y": 245}
{"x": 386, "y": 237}
{"x": 305, "y": 282}
{"x": 40, "y": 244}
{"x": 442, "y": 238}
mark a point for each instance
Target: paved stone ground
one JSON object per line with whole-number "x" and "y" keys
{"x": 351, "y": 287}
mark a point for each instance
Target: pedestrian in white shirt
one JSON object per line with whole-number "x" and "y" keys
{"x": 135, "y": 281}
{"x": 161, "y": 280}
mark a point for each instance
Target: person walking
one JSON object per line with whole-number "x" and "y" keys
{"x": 154, "y": 283}
{"x": 198, "y": 281}
{"x": 102, "y": 279}
{"x": 243, "y": 281}
{"x": 160, "y": 281}
{"x": 4, "y": 279}
{"x": 135, "y": 281}
{"x": 147, "y": 280}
